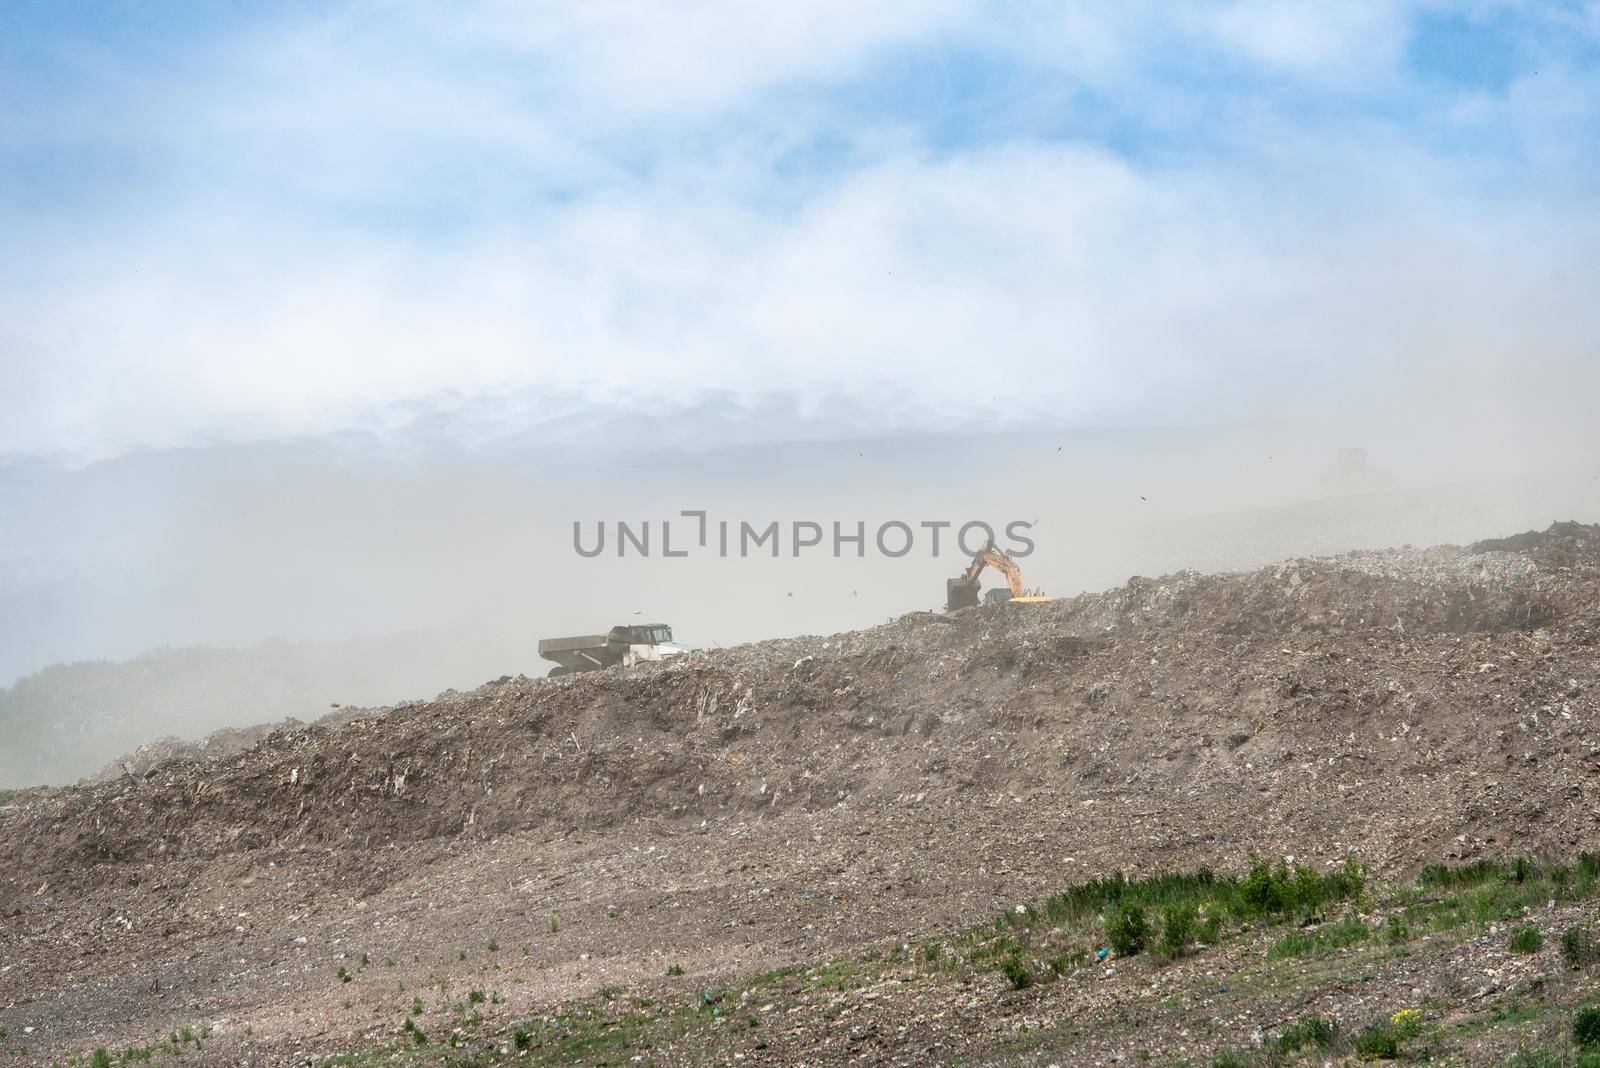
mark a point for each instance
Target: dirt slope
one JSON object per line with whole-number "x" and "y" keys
{"x": 788, "y": 801}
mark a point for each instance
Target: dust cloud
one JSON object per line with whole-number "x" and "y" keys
{"x": 366, "y": 570}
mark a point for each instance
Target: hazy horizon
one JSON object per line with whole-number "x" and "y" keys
{"x": 339, "y": 539}
{"x": 326, "y": 322}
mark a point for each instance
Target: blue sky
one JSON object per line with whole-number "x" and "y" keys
{"x": 223, "y": 221}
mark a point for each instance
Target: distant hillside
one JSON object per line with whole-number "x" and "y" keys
{"x": 69, "y": 720}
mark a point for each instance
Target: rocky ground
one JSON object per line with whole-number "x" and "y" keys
{"x": 795, "y": 851}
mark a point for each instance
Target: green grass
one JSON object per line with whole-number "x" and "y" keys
{"x": 1170, "y": 912}
{"x": 1380, "y": 1042}
{"x": 1579, "y": 949}
{"x": 1526, "y": 939}
{"x": 1586, "y": 1028}
{"x": 1266, "y": 892}
{"x": 1296, "y": 913}
{"x": 1324, "y": 939}
{"x": 1554, "y": 1055}
{"x": 1446, "y": 877}
{"x": 1312, "y": 1032}
{"x": 1497, "y": 891}
{"x": 1308, "y": 1033}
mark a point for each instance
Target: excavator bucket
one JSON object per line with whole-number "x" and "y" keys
{"x": 959, "y": 593}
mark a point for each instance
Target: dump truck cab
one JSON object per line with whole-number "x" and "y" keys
{"x": 645, "y": 641}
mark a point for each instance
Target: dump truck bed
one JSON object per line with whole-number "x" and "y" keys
{"x": 572, "y": 645}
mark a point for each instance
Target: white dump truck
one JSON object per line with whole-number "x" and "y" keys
{"x": 624, "y": 645}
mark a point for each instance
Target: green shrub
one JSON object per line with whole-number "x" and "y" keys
{"x": 1260, "y": 892}
{"x": 1271, "y": 890}
{"x": 100, "y": 1059}
{"x": 1579, "y": 948}
{"x": 1127, "y": 930}
{"x": 1017, "y": 973}
{"x": 1311, "y": 1031}
{"x": 1526, "y": 940}
{"x": 1586, "y": 1028}
{"x": 1379, "y": 1042}
{"x": 675, "y": 969}
{"x": 1177, "y": 929}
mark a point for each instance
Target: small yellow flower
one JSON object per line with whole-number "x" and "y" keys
{"x": 1407, "y": 1021}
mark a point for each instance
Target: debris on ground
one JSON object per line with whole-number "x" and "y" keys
{"x": 803, "y": 801}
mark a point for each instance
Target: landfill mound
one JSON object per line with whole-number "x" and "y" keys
{"x": 737, "y": 730}
{"x": 1403, "y": 707}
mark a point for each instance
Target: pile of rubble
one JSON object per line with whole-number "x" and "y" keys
{"x": 1402, "y": 707}
{"x": 1099, "y": 689}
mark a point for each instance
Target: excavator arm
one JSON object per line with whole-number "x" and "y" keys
{"x": 989, "y": 556}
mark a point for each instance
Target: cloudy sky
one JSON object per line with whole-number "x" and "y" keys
{"x": 228, "y": 223}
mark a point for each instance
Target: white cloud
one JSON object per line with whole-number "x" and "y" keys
{"x": 289, "y": 275}
{"x": 1353, "y": 39}
{"x": 650, "y": 59}
{"x": 1027, "y": 280}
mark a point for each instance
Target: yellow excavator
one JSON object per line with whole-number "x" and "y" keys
{"x": 962, "y": 591}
